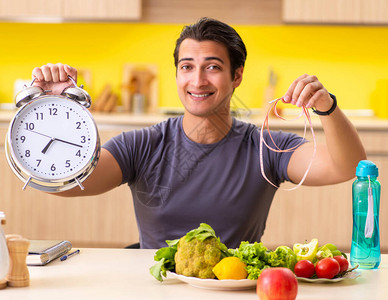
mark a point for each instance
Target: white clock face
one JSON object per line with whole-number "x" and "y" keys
{"x": 53, "y": 138}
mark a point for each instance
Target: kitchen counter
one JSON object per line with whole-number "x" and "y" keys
{"x": 124, "y": 274}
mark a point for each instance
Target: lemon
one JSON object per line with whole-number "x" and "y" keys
{"x": 230, "y": 268}
{"x": 306, "y": 251}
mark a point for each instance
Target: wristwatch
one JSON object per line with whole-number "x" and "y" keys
{"x": 332, "y": 108}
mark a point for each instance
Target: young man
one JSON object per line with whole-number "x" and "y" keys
{"x": 204, "y": 166}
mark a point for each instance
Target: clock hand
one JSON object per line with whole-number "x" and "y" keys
{"x": 48, "y": 145}
{"x": 52, "y": 139}
{"x": 70, "y": 143}
{"x": 40, "y": 133}
{"x": 59, "y": 140}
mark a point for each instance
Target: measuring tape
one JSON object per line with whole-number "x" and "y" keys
{"x": 307, "y": 120}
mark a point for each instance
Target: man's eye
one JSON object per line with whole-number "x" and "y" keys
{"x": 185, "y": 67}
{"x": 214, "y": 67}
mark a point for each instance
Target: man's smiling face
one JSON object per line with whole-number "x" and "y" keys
{"x": 203, "y": 77}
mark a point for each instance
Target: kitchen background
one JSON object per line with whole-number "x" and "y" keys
{"x": 351, "y": 60}
{"x": 343, "y": 42}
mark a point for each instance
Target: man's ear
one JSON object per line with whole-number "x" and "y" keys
{"x": 238, "y": 75}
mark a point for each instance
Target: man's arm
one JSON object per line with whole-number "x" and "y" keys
{"x": 107, "y": 174}
{"x": 336, "y": 160}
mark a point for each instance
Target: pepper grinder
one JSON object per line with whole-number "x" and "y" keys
{"x": 18, "y": 275}
{"x": 4, "y": 257}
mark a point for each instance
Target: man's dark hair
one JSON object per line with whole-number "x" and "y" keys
{"x": 207, "y": 29}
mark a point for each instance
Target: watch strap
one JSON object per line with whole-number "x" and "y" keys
{"x": 332, "y": 108}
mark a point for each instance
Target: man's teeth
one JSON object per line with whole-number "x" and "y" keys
{"x": 199, "y": 95}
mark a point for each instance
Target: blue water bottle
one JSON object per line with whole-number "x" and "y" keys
{"x": 365, "y": 250}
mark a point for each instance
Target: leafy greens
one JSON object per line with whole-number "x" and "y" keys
{"x": 257, "y": 257}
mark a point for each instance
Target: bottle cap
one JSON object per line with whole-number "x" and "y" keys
{"x": 366, "y": 167}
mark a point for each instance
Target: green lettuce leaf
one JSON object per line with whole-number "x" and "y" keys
{"x": 283, "y": 256}
{"x": 166, "y": 260}
{"x": 257, "y": 257}
{"x": 203, "y": 232}
{"x": 254, "y": 255}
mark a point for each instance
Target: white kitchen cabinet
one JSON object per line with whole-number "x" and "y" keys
{"x": 374, "y": 12}
{"x": 321, "y": 11}
{"x": 335, "y": 12}
{"x": 22, "y": 9}
{"x": 68, "y": 10}
{"x": 116, "y": 10}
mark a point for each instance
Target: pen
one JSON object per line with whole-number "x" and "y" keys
{"x": 70, "y": 255}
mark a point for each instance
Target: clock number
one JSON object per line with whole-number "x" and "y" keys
{"x": 53, "y": 111}
{"x": 30, "y": 126}
{"x": 27, "y": 153}
{"x": 67, "y": 115}
{"x": 23, "y": 138}
{"x": 83, "y": 139}
{"x": 53, "y": 168}
{"x": 78, "y": 153}
{"x": 39, "y": 116}
{"x": 39, "y": 161}
{"x": 67, "y": 164}
{"x": 78, "y": 125}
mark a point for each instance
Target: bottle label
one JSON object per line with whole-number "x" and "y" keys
{"x": 369, "y": 224}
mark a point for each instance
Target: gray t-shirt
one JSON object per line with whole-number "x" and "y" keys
{"x": 178, "y": 184}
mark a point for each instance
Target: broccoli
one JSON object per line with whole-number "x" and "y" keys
{"x": 196, "y": 258}
{"x": 194, "y": 254}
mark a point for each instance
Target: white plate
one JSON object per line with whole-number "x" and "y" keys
{"x": 352, "y": 275}
{"x": 215, "y": 284}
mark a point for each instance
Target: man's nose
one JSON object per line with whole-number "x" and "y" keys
{"x": 200, "y": 78}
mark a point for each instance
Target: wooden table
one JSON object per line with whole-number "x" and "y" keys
{"x": 124, "y": 274}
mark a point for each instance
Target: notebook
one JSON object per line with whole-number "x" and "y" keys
{"x": 41, "y": 252}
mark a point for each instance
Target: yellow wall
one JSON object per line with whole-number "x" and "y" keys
{"x": 348, "y": 60}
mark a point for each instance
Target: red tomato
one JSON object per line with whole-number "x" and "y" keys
{"x": 327, "y": 268}
{"x": 276, "y": 284}
{"x": 304, "y": 268}
{"x": 343, "y": 262}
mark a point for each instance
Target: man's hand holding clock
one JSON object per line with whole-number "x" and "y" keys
{"x": 54, "y": 77}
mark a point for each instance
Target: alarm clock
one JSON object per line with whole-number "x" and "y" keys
{"x": 52, "y": 143}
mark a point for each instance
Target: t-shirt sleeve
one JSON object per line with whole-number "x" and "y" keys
{"x": 122, "y": 151}
{"x": 131, "y": 149}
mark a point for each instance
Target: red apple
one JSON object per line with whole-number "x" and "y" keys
{"x": 277, "y": 284}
